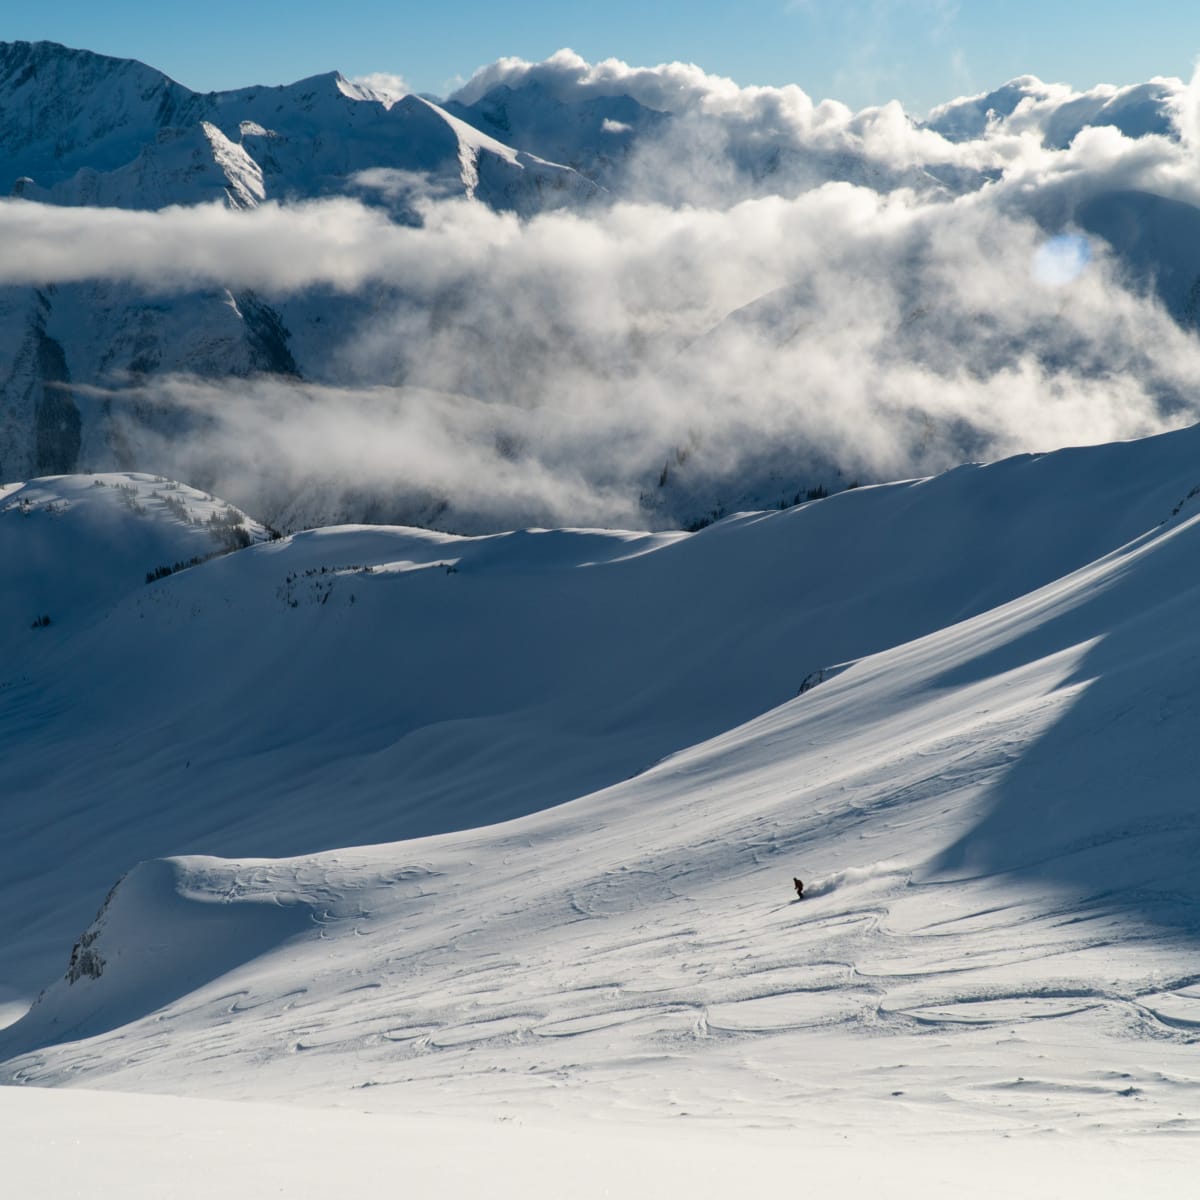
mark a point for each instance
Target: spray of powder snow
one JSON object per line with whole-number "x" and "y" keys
{"x": 853, "y": 876}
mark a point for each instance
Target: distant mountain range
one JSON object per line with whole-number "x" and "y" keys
{"x": 81, "y": 128}
{"x": 79, "y": 360}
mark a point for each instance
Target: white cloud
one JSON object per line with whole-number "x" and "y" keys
{"x": 552, "y": 367}
{"x": 338, "y": 243}
{"x": 670, "y": 87}
{"x": 753, "y": 317}
{"x": 1185, "y": 110}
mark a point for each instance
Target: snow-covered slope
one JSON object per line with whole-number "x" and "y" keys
{"x": 75, "y": 546}
{"x": 991, "y": 806}
{"x": 195, "y": 165}
{"x": 132, "y": 1147}
{"x": 65, "y": 109}
{"x": 504, "y": 827}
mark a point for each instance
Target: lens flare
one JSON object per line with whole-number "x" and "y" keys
{"x": 1061, "y": 260}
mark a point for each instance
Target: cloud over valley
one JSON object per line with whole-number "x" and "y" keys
{"x": 765, "y": 296}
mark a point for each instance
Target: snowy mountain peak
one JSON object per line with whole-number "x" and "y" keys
{"x": 357, "y": 90}
{"x": 97, "y": 125}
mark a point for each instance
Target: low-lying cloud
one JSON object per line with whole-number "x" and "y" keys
{"x": 650, "y": 365}
{"x": 657, "y": 360}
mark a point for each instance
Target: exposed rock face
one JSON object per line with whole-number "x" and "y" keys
{"x": 56, "y": 419}
{"x": 86, "y": 962}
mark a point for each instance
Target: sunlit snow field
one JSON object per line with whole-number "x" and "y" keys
{"x": 971, "y": 736}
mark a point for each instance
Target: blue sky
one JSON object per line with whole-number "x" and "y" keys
{"x": 859, "y": 51}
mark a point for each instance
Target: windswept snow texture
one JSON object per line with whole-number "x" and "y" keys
{"x": 579, "y": 293}
{"x": 508, "y": 824}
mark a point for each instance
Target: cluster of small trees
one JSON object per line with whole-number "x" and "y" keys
{"x": 811, "y": 680}
{"x": 227, "y": 529}
{"x": 175, "y": 505}
{"x": 820, "y": 492}
{"x": 128, "y": 494}
{"x": 27, "y": 508}
{"x": 1179, "y": 507}
{"x": 85, "y": 958}
{"x": 319, "y": 589}
{"x": 702, "y": 522}
{"x": 225, "y": 526}
{"x": 165, "y": 570}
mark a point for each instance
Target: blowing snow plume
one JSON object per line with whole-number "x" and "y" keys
{"x": 774, "y": 298}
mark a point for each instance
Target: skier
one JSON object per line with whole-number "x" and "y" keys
{"x": 799, "y": 884}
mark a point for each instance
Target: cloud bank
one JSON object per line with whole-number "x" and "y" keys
{"x": 898, "y": 299}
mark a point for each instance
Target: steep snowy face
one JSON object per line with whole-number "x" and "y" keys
{"x": 63, "y": 109}
{"x": 434, "y": 683}
{"x": 194, "y": 165}
{"x": 414, "y": 135}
